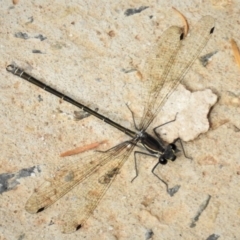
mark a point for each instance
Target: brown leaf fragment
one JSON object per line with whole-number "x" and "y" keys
{"x": 236, "y": 51}
{"x": 15, "y": 2}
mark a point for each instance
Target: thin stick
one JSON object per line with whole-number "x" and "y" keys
{"x": 82, "y": 149}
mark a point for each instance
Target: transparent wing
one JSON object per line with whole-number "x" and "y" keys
{"x": 98, "y": 175}
{"x": 93, "y": 189}
{"x": 61, "y": 183}
{"x": 172, "y": 60}
{"x": 158, "y": 65}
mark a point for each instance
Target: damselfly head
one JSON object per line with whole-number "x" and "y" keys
{"x": 169, "y": 154}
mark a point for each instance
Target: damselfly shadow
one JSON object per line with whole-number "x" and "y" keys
{"x": 166, "y": 66}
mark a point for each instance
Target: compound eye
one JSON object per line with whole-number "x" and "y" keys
{"x": 162, "y": 160}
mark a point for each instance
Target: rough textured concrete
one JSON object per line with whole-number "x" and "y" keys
{"x": 88, "y": 49}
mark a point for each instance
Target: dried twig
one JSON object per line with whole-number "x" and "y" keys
{"x": 186, "y": 26}
{"x": 82, "y": 149}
